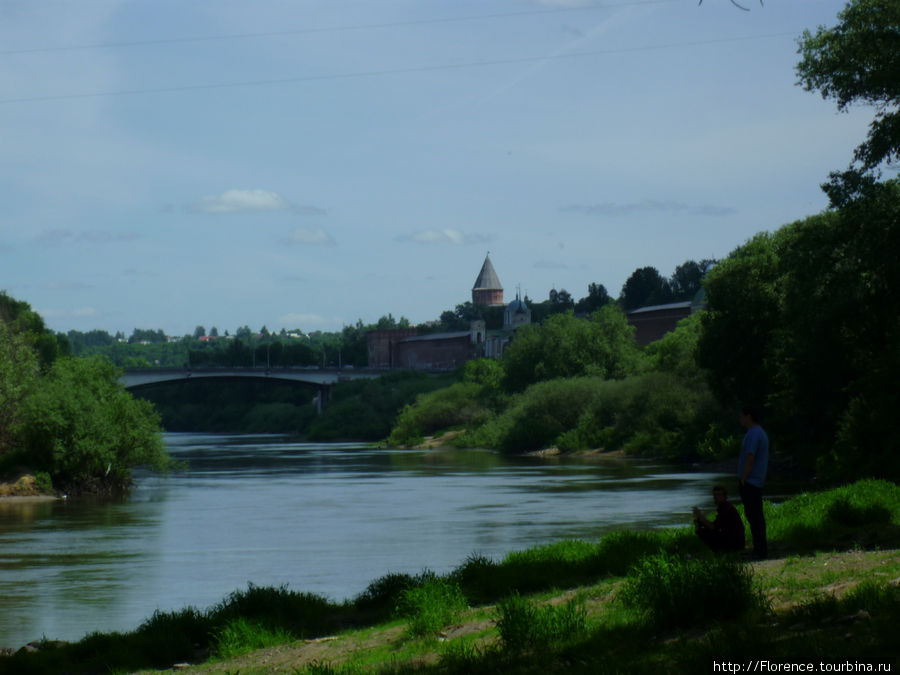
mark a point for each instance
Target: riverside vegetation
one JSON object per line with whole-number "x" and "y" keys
{"x": 67, "y": 421}
{"x": 634, "y": 601}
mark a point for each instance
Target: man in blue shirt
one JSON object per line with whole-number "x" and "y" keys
{"x": 752, "y": 465}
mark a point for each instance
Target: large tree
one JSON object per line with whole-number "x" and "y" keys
{"x": 82, "y": 427}
{"x": 646, "y": 286}
{"x": 566, "y": 346}
{"x": 596, "y": 298}
{"x": 807, "y": 321}
{"x": 858, "y": 62}
{"x": 18, "y": 374}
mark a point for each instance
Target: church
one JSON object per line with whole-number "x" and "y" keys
{"x": 405, "y": 348}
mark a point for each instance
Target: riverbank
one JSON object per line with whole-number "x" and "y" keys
{"x": 24, "y": 486}
{"x": 812, "y": 600}
{"x": 831, "y": 591}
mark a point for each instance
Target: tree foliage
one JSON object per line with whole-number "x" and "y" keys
{"x": 858, "y": 61}
{"x": 646, "y": 286}
{"x": 18, "y": 374}
{"x": 84, "y": 429}
{"x": 566, "y": 346}
{"x": 596, "y": 298}
{"x": 807, "y": 320}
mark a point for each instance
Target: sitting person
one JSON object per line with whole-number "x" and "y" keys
{"x": 726, "y": 532}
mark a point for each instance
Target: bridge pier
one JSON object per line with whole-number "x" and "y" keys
{"x": 323, "y": 398}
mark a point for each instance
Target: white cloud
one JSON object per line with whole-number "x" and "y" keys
{"x": 239, "y": 201}
{"x": 309, "y": 237}
{"x": 444, "y": 236}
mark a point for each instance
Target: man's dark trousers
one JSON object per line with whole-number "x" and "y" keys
{"x": 751, "y": 496}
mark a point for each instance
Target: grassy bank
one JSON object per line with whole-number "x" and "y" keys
{"x": 630, "y": 602}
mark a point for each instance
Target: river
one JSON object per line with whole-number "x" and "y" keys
{"x": 322, "y": 518}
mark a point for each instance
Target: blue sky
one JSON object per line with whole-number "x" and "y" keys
{"x": 307, "y": 164}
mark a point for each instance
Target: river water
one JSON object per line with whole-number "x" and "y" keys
{"x": 322, "y": 518}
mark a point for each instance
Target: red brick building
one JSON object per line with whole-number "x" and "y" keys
{"x": 651, "y": 323}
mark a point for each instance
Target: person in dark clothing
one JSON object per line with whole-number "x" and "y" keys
{"x": 726, "y": 532}
{"x": 753, "y": 464}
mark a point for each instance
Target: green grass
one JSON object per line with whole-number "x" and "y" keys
{"x": 525, "y": 625}
{"x": 240, "y": 636}
{"x": 430, "y": 606}
{"x": 674, "y": 592}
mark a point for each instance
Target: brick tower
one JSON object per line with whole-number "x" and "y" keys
{"x": 487, "y": 289}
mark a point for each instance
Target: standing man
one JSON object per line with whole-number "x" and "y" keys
{"x": 752, "y": 465}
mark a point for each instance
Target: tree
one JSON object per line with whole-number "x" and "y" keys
{"x": 806, "y": 321}
{"x": 596, "y": 298}
{"x": 646, "y": 286}
{"x": 18, "y": 373}
{"x": 22, "y": 320}
{"x": 83, "y": 428}
{"x": 858, "y": 61}
{"x": 147, "y": 335}
{"x": 214, "y": 332}
{"x": 560, "y": 301}
{"x": 688, "y": 277}
{"x": 566, "y": 346}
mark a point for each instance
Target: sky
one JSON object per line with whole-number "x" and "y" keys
{"x": 306, "y": 164}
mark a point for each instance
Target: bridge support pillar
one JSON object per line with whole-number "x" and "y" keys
{"x": 323, "y": 398}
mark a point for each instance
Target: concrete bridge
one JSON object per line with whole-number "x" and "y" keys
{"x": 322, "y": 378}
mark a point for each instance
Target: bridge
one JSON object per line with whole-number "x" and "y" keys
{"x": 323, "y": 378}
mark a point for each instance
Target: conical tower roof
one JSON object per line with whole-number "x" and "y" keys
{"x": 487, "y": 277}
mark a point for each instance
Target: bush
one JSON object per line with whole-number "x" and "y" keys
{"x": 300, "y": 614}
{"x": 455, "y": 405}
{"x": 672, "y": 592}
{"x": 525, "y": 625}
{"x": 431, "y": 605}
{"x": 654, "y": 413}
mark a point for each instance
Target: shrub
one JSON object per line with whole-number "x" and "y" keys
{"x": 671, "y": 592}
{"x": 455, "y": 405}
{"x": 299, "y": 613}
{"x": 431, "y": 605}
{"x": 525, "y": 625}
{"x": 383, "y": 594}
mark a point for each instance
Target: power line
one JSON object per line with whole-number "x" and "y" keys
{"x": 332, "y": 29}
{"x": 390, "y": 71}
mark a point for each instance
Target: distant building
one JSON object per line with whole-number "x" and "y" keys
{"x": 404, "y": 348}
{"x": 487, "y": 289}
{"x": 515, "y": 314}
{"x": 652, "y": 323}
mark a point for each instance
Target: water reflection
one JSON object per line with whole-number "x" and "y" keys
{"x": 320, "y": 518}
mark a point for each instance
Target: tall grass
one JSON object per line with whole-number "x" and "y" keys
{"x": 240, "y": 636}
{"x": 671, "y": 591}
{"x": 524, "y": 625}
{"x": 430, "y": 606}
